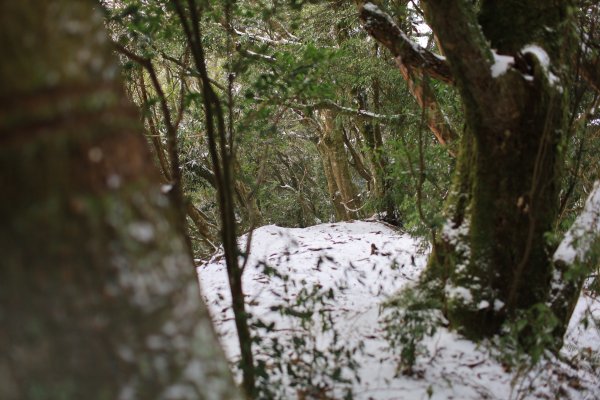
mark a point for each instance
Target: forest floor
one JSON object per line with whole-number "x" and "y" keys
{"x": 315, "y": 297}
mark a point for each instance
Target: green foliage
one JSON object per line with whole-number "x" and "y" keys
{"x": 527, "y": 337}
{"x": 312, "y": 358}
{"x": 409, "y": 175}
{"x": 408, "y": 318}
{"x": 274, "y": 72}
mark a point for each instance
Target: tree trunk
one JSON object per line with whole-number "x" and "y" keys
{"x": 493, "y": 247}
{"x": 98, "y": 295}
{"x": 376, "y": 159}
{"x": 337, "y": 172}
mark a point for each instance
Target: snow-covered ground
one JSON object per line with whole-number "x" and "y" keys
{"x": 364, "y": 262}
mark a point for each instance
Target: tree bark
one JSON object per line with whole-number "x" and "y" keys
{"x": 98, "y": 296}
{"x": 337, "y": 172}
{"x": 509, "y": 181}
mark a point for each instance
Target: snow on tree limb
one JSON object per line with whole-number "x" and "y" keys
{"x": 381, "y": 26}
{"x": 415, "y": 64}
{"x": 580, "y": 238}
{"x": 576, "y": 248}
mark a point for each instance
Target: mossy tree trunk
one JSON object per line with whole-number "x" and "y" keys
{"x": 506, "y": 194}
{"x": 98, "y": 293}
{"x": 511, "y": 64}
{"x": 337, "y": 169}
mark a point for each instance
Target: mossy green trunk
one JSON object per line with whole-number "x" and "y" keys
{"x": 510, "y": 192}
{"x": 98, "y": 295}
{"x": 492, "y": 258}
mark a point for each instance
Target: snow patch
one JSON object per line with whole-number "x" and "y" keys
{"x": 141, "y": 231}
{"x": 544, "y": 60}
{"x": 374, "y": 261}
{"x": 373, "y": 9}
{"x": 585, "y": 230}
{"x": 457, "y": 236}
{"x": 501, "y": 64}
{"x": 460, "y": 293}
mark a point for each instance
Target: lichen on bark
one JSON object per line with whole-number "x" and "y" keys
{"x": 98, "y": 296}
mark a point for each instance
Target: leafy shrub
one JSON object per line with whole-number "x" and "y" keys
{"x": 308, "y": 354}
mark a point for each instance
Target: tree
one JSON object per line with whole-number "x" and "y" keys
{"x": 513, "y": 64}
{"x": 98, "y": 292}
{"x": 335, "y": 165}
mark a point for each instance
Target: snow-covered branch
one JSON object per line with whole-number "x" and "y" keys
{"x": 415, "y": 64}
{"x": 381, "y": 26}
{"x": 573, "y": 256}
{"x": 580, "y": 238}
{"x": 263, "y": 39}
{"x": 330, "y": 105}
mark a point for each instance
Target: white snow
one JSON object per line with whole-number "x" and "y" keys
{"x": 459, "y": 293}
{"x": 539, "y": 53}
{"x": 501, "y": 64}
{"x": 373, "y": 9}
{"x": 544, "y": 60}
{"x": 370, "y": 261}
{"x": 585, "y": 230}
{"x": 113, "y": 181}
{"x": 95, "y": 154}
{"x": 579, "y": 337}
{"x": 141, "y": 231}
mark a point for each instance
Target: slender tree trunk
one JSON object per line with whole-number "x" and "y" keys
{"x": 334, "y": 193}
{"x": 246, "y": 199}
{"x": 339, "y": 181}
{"x": 222, "y": 157}
{"x": 377, "y": 162}
{"x": 98, "y": 295}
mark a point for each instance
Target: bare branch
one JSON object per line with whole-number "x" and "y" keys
{"x": 330, "y": 105}
{"x": 358, "y": 163}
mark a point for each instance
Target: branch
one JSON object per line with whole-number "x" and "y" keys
{"x": 579, "y": 239}
{"x": 358, "y": 164}
{"x": 189, "y": 70}
{"x": 381, "y": 26}
{"x": 222, "y": 168}
{"x": 436, "y": 120}
{"x": 256, "y": 56}
{"x": 330, "y": 105}
{"x": 464, "y": 45}
{"x": 155, "y": 133}
{"x": 202, "y": 224}
{"x": 416, "y": 64}
{"x": 262, "y": 39}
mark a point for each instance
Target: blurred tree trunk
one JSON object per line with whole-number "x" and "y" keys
{"x": 376, "y": 158}
{"x": 98, "y": 294}
{"x": 337, "y": 171}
